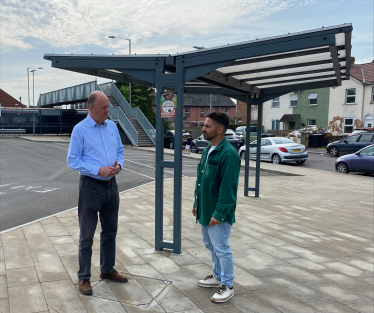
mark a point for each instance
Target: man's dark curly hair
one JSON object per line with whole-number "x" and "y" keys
{"x": 219, "y": 118}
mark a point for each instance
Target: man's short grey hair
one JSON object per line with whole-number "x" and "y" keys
{"x": 92, "y": 99}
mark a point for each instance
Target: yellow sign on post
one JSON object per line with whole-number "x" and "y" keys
{"x": 168, "y": 105}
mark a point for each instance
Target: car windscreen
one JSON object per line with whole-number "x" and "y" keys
{"x": 282, "y": 140}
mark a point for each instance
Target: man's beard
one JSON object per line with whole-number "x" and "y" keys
{"x": 210, "y": 137}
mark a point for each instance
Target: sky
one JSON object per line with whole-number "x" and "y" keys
{"x": 29, "y": 29}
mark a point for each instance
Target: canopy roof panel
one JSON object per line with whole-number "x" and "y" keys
{"x": 304, "y": 60}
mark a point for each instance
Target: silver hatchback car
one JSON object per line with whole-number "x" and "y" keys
{"x": 278, "y": 150}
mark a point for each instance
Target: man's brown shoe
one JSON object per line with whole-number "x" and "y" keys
{"x": 85, "y": 287}
{"x": 115, "y": 276}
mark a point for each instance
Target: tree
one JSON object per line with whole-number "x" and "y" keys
{"x": 141, "y": 97}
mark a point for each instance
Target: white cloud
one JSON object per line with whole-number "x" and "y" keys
{"x": 67, "y": 23}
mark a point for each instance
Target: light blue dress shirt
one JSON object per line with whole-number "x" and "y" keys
{"x": 93, "y": 146}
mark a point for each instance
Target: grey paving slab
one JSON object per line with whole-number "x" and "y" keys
{"x": 22, "y": 277}
{"x": 49, "y": 266}
{"x": 58, "y": 291}
{"x": 163, "y": 264}
{"x": 32, "y": 299}
{"x": 274, "y": 251}
{"x": 145, "y": 270}
{"x": 184, "y": 258}
{"x": 71, "y": 265}
{"x": 53, "y": 227}
{"x": 100, "y": 305}
{"x": 3, "y": 288}
{"x": 331, "y": 306}
{"x": 306, "y": 254}
{"x": 67, "y": 249}
{"x": 4, "y": 306}
{"x": 251, "y": 266}
{"x": 297, "y": 273}
{"x": 339, "y": 293}
{"x": 68, "y": 306}
{"x": 296, "y": 289}
{"x": 153, "y": 286}
{"x": 262, "y": 257}
{"x": 61, "y": 240}
{"x": 131, "y": 292}
{"x": 17, "y": 255}
{"x": 253, "y": 303}
{"x": 178, "y": 305}
{"x": 153, "y": 307}
{"x": 345, "y": 269}
{"x": 2, "y": 268}
{"x": 363, "y": 307}
{"x": 102, "y": 290}
{"x": 127, "y": 256}
{"x": 307, "y": 265}
{"x": 284, "y": 301}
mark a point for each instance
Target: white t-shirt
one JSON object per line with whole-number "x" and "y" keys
{"x": 210, "y": 150}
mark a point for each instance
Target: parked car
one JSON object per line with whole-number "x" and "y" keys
{"x": 362, "y": 130}
{"x": 361, "y": 161}
{"x": 278, "y": 150}
{"x": 350, "y": 144}
{"x": 169, "y": 138}
{"x": 199, "y": 144}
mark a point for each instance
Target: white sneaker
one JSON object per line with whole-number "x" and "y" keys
{"x": 209, "y": 281}
{"x": 223, "y": 294}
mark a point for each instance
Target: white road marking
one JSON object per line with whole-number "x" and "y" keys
{"x": 5, "y": 185}
{"x": 44, "y": 218}
{"x": 17, "y": 187}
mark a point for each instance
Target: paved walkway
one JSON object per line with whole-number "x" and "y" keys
{"x": 306, "y": 245}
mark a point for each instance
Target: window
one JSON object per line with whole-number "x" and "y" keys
{"x": 348, "y": 125}
{"x": 275, "y": 103}
{"x": 293, "y": 100}
{"x": 275, "y": 124}
{"x": 350, "y": 96}
{"x": 281, "y": 141}
{"x": 187, "y": 125}
{"x": 186, "y": 112}
{"x": 19, "y": 119}
{"x": 365, "y": 138}
{"x": 202, "y": 114}
{"x": 367, "y": 152}
{"x": 352, "y": 138}
{"x": 313, "y": 98}
{"x": 216, "y": 109}
{"x": 312, "y": 122}
{"x": 265, "y": 142}
{"x": 227, "y": 111}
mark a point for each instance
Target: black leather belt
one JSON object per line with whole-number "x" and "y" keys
{"x": 102, "y": 182}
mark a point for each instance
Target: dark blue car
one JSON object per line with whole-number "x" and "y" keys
{"x": 350, "y": 144}
{"x": 361, "y": 161}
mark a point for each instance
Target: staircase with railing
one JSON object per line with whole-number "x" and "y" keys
{"x": 146, "y": 132}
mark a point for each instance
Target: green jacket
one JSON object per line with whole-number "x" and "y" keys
{"x": 217, "y": 184}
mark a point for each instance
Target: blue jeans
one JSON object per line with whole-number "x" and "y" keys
{"x": 216, "y": 239}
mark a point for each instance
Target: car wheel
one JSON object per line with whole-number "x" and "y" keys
{"x": 193, "y": 149}
{"x": 334, "y": 151}
{"x": 242, "y": 155}
{"x": 342, "y": 168}
{"x": 171, "y": 145}
{"x": 300, "y": 162}
{"x": 276, "y": 159}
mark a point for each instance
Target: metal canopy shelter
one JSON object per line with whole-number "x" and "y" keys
{"x": 253, "y": 71}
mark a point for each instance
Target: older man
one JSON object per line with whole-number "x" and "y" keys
{"x": 96, "y": 151}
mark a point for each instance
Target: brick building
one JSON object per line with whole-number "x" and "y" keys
{"x": 241, "y": 113}
{"x": 7, "y": 101}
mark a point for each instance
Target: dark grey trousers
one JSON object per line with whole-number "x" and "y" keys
{"x": 95, "y": 198}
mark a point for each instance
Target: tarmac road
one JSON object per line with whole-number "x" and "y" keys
{"x": 35, "y": 181}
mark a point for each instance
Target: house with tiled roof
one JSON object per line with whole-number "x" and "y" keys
{"x": 351, "y": 105}
{"x": 7, "y": 101}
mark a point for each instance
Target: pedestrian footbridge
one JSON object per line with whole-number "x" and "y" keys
{"x": 130, "y": 119}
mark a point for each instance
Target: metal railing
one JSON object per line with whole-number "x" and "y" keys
{"x": 66, "y": 95}
{"x": 130, "y": 112}
{"x": 117, "y": 115}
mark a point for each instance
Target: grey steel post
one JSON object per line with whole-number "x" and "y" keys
{"x": 247, "y": 152}
{"x": 28, "y": 86}
{"x": 177, "y": 227}
{"x": 159, "y": 196}
{"x": 129, "y": 83}
{"x": 258, "y": 152}
{"x": 33, "y": 103}
{"x": 211, "y": 103}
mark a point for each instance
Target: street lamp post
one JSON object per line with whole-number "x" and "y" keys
{"x": 129, "y": 40}
{"x": 28, "y": 91}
